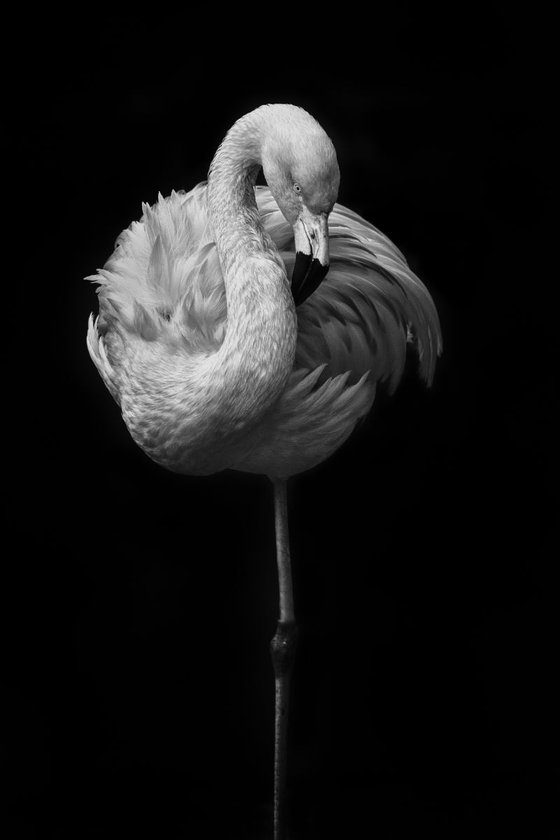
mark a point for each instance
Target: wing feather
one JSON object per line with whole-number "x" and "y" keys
{"x": 163, "y": 279}
{"x": 370, "y": 304}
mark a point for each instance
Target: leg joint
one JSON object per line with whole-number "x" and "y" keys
{"x": 283, "y": 646}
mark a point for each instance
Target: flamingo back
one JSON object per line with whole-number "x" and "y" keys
{"x": 368, "y": 308}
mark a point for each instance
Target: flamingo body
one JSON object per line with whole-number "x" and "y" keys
{"x": 160, "y": 341}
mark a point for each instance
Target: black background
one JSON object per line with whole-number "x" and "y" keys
{"x": 140, "y": 604}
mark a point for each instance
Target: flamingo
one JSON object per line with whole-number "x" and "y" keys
{"x": 227, "y": 345}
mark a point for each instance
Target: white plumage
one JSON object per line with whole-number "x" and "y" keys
{"x": 164, "y": 319}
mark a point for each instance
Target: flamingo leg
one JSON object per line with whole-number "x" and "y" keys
{"x": 282, "y": 648}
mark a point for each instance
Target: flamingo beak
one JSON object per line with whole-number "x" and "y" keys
{"x": 311, "y": 234}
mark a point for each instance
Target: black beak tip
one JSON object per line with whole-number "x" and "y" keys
{"x": 307, "y": 276}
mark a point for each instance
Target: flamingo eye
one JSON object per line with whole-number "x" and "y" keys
{"x": 297, "y": 188}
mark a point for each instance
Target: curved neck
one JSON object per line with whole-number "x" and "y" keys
{"x": 257, "y": 354}
{"x": 231, "y": 197}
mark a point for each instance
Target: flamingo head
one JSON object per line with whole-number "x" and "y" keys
{"x": 301, "y": 169}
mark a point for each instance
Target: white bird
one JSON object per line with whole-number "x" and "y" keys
{"x": 200, "y": 342}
